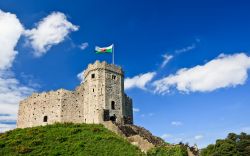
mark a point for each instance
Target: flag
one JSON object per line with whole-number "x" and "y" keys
{"x": 100, "y": 50}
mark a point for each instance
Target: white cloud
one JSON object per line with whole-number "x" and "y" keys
{"x": 167, "y": 58}
{"x": 10, "y": 32}
{"x": 198, "y": 137}
{"x": 7, "y": 118}
{"x": 139, "y": 81}
{"x": 80, "y": 76}
{"x": 136, "y": 110}
{"x": 6, "y": 127}
{"x": 11, "y": 93}
{"x": 223, "y": 71}
{"x": 84, "y": 45}
{"x": 176, "y": 123}
{"x": 186, "y": 49}
{"x": 50, "y": 31}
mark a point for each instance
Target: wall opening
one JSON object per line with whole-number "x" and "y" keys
{"x": 45, "y": 119}
{"x": 113, "y": 118}
{"x": 113, "y": 77}
{"x": 112, "y": 105}
{"x": 105, "y": 115}
{"x": 92, "y": 76}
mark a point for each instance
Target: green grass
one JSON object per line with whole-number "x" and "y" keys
{"x": 65, "y": 139}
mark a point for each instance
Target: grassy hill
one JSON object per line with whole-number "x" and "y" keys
{"x": 65, "y": 139}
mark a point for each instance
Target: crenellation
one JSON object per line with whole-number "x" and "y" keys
{"x": 99, "y": 98}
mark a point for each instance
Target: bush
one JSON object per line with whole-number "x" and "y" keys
{"x": 171, "y": 150}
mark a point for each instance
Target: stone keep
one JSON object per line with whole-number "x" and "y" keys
{"x": 99, "y": 98}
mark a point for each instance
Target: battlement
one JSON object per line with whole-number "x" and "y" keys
{"x": 103, "y": 66}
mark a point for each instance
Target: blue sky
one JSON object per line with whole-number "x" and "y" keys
{"x": 186, "y": 62}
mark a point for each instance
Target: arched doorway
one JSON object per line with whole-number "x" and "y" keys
{"x": 113, "y": 118}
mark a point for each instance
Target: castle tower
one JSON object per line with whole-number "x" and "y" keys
{"x": 104, "y": 97}
{"x": 99, "y": 98}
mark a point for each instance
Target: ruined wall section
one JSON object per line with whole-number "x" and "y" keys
{"x": 34, "y": 110}
{"x": 128, "y": 110}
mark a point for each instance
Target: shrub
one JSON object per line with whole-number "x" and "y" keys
{"x": 172, "y": 150}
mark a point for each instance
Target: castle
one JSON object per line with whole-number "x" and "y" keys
{"x": 99, "y": 98}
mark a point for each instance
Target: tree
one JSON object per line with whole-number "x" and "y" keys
{"x": 233, "y": 145}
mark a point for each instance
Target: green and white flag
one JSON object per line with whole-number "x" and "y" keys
{"x": 100, "y": 50}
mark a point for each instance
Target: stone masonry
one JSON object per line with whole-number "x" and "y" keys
{"x": 99, "y": 98}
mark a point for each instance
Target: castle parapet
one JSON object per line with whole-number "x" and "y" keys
{"x": 105, "y": 66}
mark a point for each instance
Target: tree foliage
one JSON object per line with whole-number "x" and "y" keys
{"x": 233, "y": 145}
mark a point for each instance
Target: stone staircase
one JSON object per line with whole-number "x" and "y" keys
{"x": 136, "y": 135}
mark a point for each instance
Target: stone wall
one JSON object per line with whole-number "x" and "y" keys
{"x": 72, "y": 109}
{"x": 102, "y": 91}
{"x": 128, "y": 110}
{"x": 33, "y": 110}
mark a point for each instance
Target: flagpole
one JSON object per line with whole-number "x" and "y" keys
{"x": 113, "y": 54}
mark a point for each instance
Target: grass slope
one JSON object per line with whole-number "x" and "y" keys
{"x": 65, "y": 139}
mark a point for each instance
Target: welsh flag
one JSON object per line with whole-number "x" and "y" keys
{"x": 100, "y": 50}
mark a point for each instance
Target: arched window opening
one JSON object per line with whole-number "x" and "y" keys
{"x": 45, "y": 119}
{"x": 92, "y": 76}
{"x": 113, "y": 105}
{"x": 113, "y": 77}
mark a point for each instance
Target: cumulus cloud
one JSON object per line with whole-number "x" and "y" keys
{"x": 223, "y": 71}
{"x": 84, "y": 45}
{"x": 80, "y": 76}
{"x": 50, "y": 31}
{"x": 10, "y": 32}
{"x": 139, "y": 81}
{"x": 11, "y": 92}
{"x": 176, "y": 123}
{"x": 6, "y": 127}
{"x": 166, "y": 58}
{"x": 7, "y": 118}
